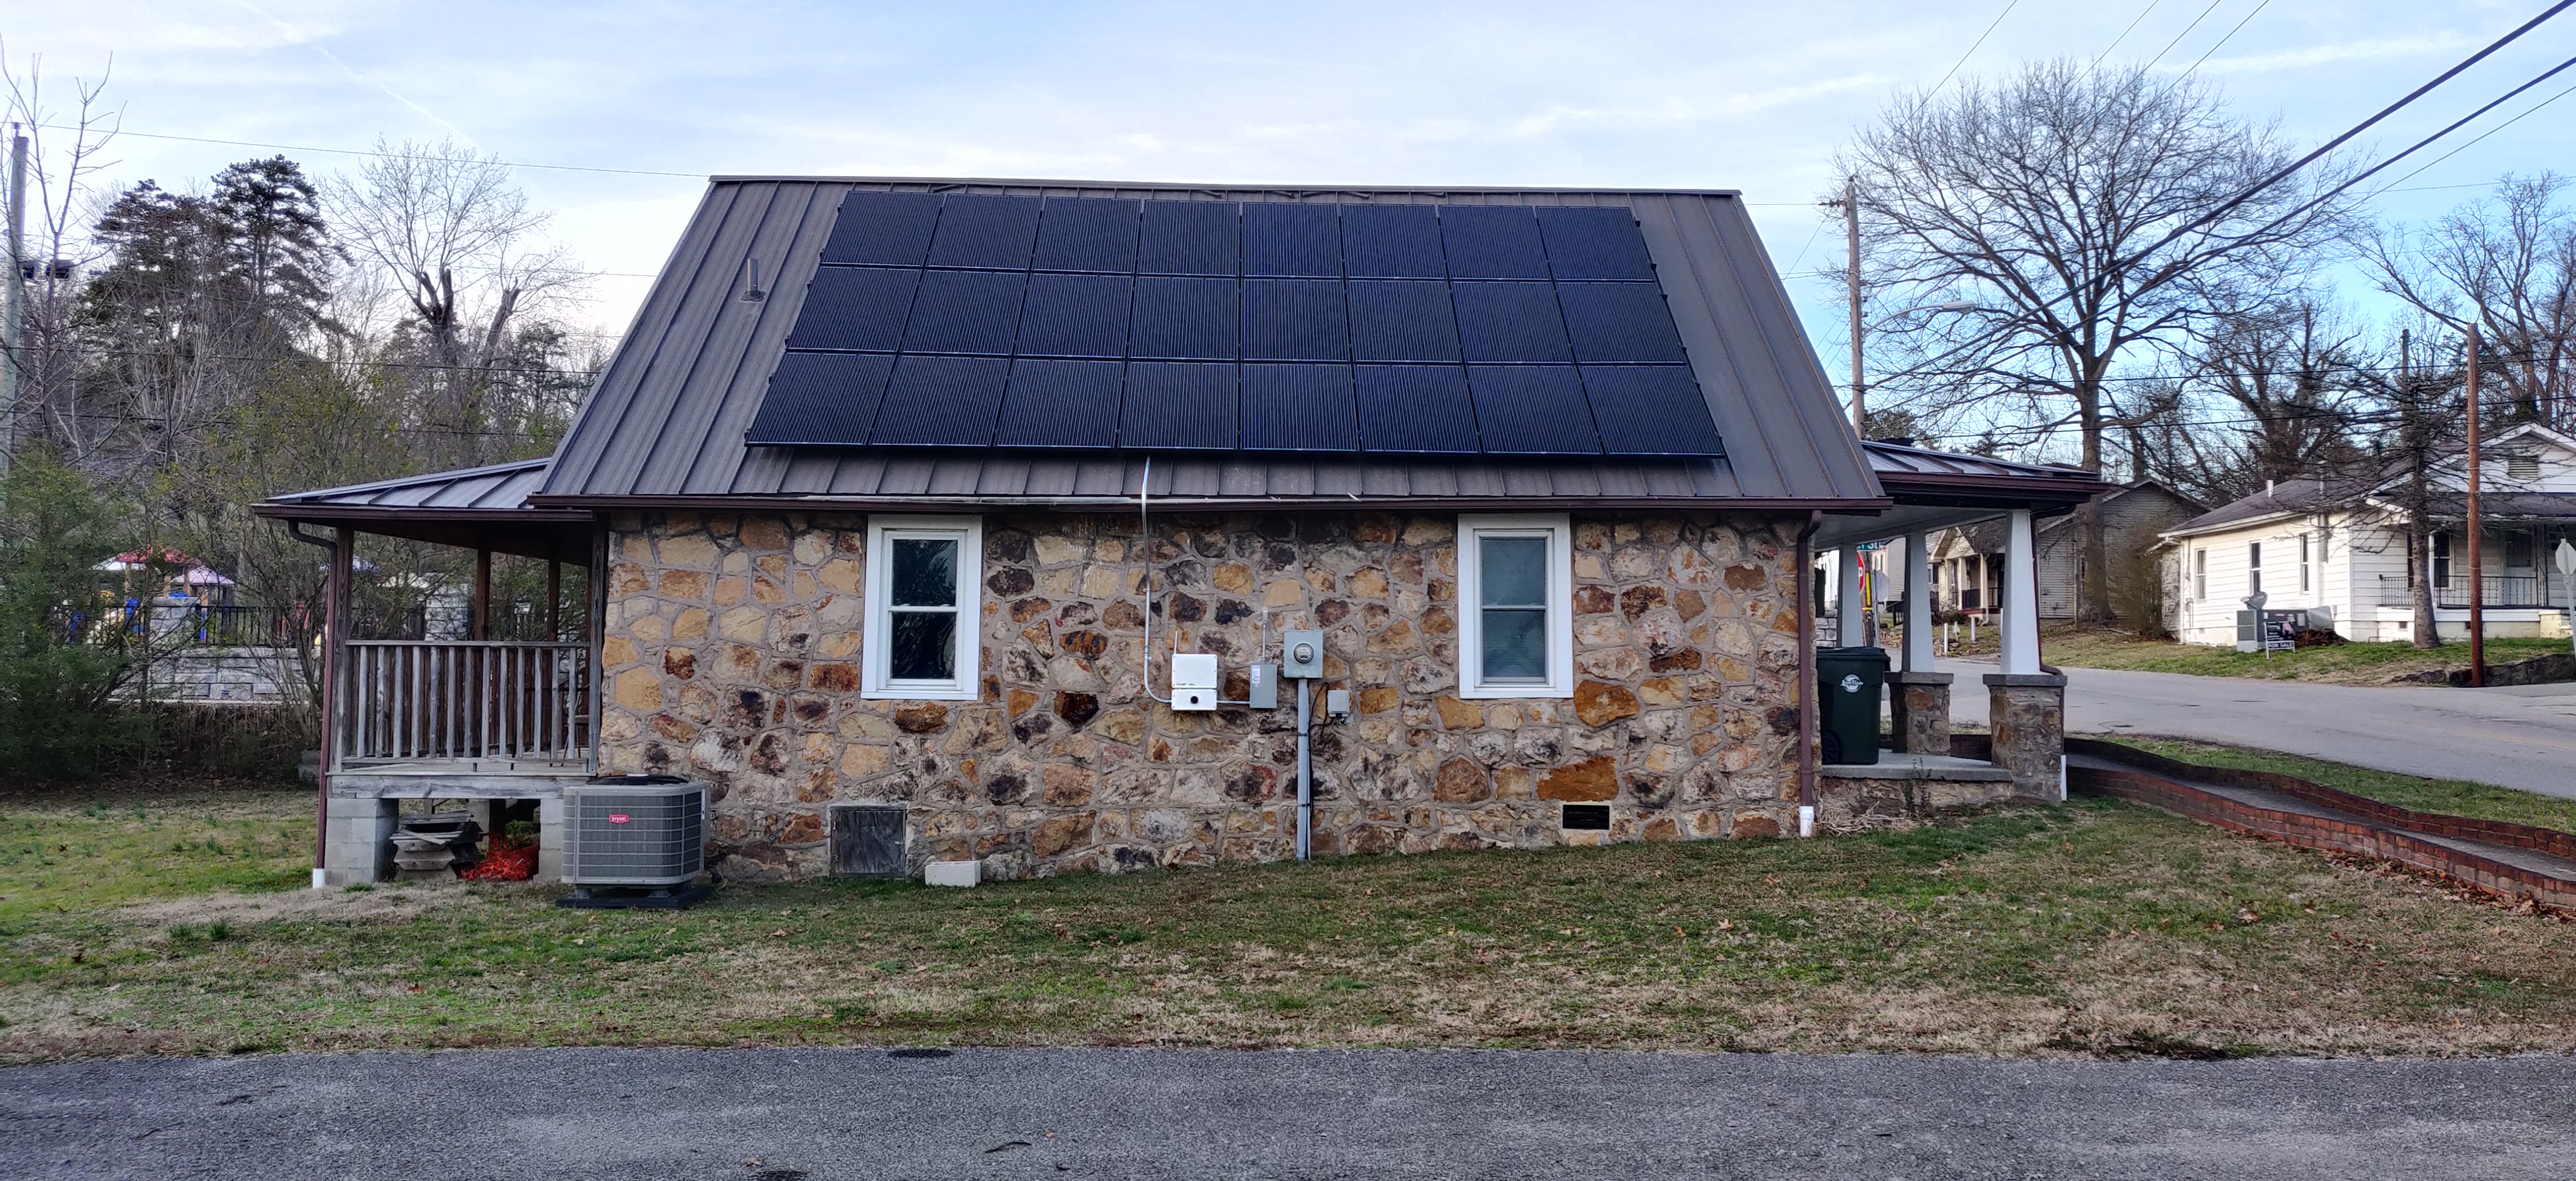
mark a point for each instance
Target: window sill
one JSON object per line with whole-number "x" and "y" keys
{"x": 919, "y": 693}
{"x": 1519, "y": 692}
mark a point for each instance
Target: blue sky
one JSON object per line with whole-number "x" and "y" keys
{"x": 1752, "y": 96}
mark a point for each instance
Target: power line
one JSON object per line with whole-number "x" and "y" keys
{"x": 2231, "y": 35}
{"x": 2186, "y": 31}
{"x": 2231, "y": 203}
{"x": 245, "y": 143}
{"x": 2124, "y": 33}
{"x": 1972, "y": 49}
{"x": 2392, "y": 188}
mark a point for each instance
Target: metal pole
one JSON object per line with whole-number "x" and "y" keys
{"x": 13, "y": 331}
{"x": 2477, "y": 568}
{"x": 1305, "y": 770}
{"x": 1851, "y": 229}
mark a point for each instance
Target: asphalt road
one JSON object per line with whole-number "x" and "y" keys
{"x": 2521, "y": 737}
{"x": 811, "y": 1115}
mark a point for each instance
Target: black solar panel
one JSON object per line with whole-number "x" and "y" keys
{"x": 1188, "y": 238}
{"x": 977, "y": 230}
{"x": 1184, "y": 319}
{"x": 1178, "y": 405}
{"x": 1414, "y": 408}
{"x": 1295, "y": 320}
{"x": 854, "y": 308}
{"x": 1594, "y": 242}
{"x": 1299, "y": 408}
{"x": 1402, "y": 320}
{"x": 1532, "y": 410}
{"x": 1291, "y": 240}
{"x": 940, "y": 402}
{"x": 1492, "y": 242}
{"x": 1087, "y": 234}
{"x": 965, "y": 312}
{"x": 1392, "y": 242}
{"x": 1618, "y": 323}
{"x": 1510, "y": 322}
{"x": 1075, "y": 316}
{"x": 1060, "y": 404}
{"x": 1650, "y": 410}
{"x": 887, "y": 229}
{"x": 973, "y": 320}
{"x": 828, "y": 399}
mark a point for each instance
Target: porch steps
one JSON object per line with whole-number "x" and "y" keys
{"x": 2516, "y": 862}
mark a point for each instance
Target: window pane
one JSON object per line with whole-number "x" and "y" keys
{"x": 925, "y": 572}
{"x": 925, "y": 646}
{"x": 1515, "y": 644}
{"x": 1513, "y": 572}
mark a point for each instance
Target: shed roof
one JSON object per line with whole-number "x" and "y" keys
{"x": 484, "y": 507}
{"x": 667, "y": 422}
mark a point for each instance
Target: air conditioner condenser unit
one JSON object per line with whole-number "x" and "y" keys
{"x": 637, "y": 831}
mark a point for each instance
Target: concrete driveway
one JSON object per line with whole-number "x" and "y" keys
{"x": 2519, "y": 737}
{"x": 798, "y": 1115}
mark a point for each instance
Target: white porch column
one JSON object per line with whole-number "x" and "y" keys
{"x": 2020, "y": 639}
{"x": 1918, "y": 602}
{"x": 1852, "y": 609}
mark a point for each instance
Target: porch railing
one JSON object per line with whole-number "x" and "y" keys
{"x": 2501, "y": 590}
{"x": 423, "y": 700}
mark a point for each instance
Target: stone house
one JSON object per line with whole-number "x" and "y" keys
{"x": 916, "y": 496}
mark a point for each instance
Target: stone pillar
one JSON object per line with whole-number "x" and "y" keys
{"x": 550, "y": 839}
{"x": 357, "y": 849}
{"x": 2020, "y": 641}
{"x": 1919, "y": 706}
{"x": 2027, "y": 714}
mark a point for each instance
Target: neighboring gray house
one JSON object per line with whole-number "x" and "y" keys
{"x": 1967, "y": 563}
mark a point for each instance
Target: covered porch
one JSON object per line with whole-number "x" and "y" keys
{"x": 1936, "y": 490}
{"x": 492, "y": 710}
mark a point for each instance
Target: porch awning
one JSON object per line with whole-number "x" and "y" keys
{"x": 476, "y": 508}
{"x": 1940, "y": 489}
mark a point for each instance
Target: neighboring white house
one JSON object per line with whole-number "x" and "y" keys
{"x": 1967, "y": 562}
{"x": 2335, "y": 549}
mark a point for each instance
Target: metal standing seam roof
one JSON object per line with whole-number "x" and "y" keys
{"x": 665, "y": 423}
{"x": 484, "y": 507}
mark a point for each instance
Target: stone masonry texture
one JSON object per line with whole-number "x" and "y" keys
{"x": 732, "y": 648}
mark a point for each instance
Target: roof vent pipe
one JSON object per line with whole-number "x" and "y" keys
{"x": 2268, "y": 485}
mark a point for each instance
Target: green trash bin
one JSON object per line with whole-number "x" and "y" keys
{"x": 1850, "y": 682}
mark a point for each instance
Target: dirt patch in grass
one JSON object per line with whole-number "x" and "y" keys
{"x": 2342, "y": 664}
{"x": 2455, "y": 797}
{"x": 307, "y": 905}
{"x": 2097, "y": 927}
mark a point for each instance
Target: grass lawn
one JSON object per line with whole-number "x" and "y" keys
{"x": 2100, "y": 926}
{"x": 2458, "y": 797}
{"x": 2349, "y": 664}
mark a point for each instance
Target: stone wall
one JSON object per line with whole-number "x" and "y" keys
{"x": 733, "y": 643}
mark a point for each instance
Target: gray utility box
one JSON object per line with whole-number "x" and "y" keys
{"x": 1301, "y": 656}
{"x": 641, "y": 830}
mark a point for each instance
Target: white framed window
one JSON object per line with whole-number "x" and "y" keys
{"x": 2254, "y": 568}
{"x": 1515, "y": 606}
{"x": 2303, "y": 561}
{"x": 2200, "y": 574}
{"x": 922, "y": 639}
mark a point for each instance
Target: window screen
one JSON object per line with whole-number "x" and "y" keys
{"x": 924, "y": 609}
{"x": 1513, "y": 571}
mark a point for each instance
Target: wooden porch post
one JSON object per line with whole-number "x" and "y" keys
{"x": 554, "y": 599}
{"x": 481, "y": 615}
{"x": 335, "y": 625}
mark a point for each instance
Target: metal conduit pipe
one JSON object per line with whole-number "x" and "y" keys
{"x": 330, "y": 686}
{"x": 1807, "y": 674}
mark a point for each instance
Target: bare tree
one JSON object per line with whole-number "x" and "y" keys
{"x": 2095, "y": 219}
{"x": 2288, "y": 376}
{"x": 445, "y": 227}
{"x": 60, "y": 169}
{"x": 2505, "y": 264}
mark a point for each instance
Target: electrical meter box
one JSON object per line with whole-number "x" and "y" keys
{"x": 1193, "y": 681}
{"x": 1302, "y": 656}
{"x": 1264, "y": 686}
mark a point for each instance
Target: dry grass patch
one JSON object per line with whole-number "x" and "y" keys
{"x": 2098, "y": 927}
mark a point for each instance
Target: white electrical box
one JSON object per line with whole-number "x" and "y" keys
{"x": 1193, "y": 680}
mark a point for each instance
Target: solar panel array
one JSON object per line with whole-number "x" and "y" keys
{"x": 972, "y": 320}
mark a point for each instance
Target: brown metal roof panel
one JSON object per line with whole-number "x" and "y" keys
{"x": 789, "y": 248}
{"x": 1805, "y": 389}
{"x": 719, "y": 327}
{"x": 605, "y": 419}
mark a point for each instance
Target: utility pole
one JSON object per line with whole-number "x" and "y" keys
{"x": 1851, "y": 230}
{"x": 13, "y": 331}
{"x": 2477, "y": 569}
